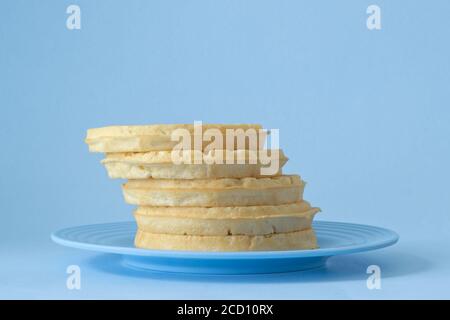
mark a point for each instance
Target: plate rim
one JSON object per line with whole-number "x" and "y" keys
{"x": 391, "y": 237}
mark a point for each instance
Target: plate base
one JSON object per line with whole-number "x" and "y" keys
{"x": 219, "y": 267}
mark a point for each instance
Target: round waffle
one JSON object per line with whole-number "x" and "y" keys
{"x": 214, "y": 193}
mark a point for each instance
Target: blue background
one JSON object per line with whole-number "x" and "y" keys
{"x": 363, "y": 116}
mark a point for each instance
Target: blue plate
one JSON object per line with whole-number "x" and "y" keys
{"x": 335, "y": 238}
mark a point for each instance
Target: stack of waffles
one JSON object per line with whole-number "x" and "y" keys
{"x": 207, "y": 205}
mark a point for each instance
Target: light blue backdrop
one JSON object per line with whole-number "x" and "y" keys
{"x": 363, "y": 116}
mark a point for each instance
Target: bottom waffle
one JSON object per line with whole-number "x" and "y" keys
{"x": 305, "y": 239}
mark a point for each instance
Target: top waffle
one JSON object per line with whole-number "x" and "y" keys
{"x": 150, "y": 137}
